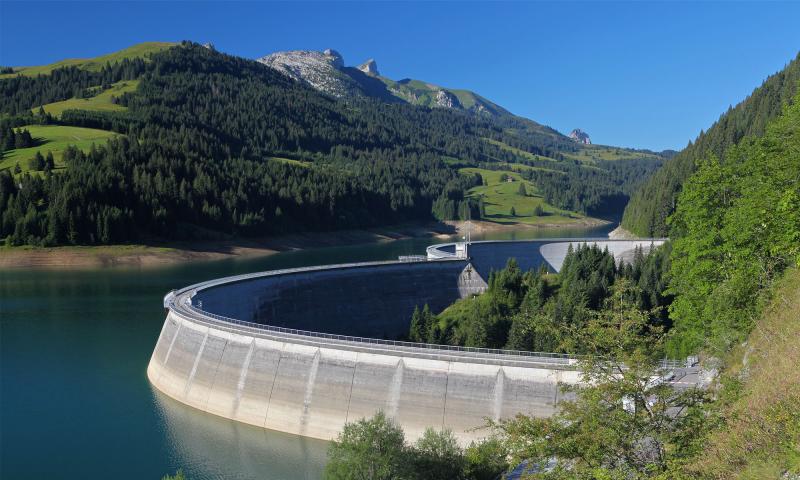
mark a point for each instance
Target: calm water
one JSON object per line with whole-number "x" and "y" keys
{"x": 74, "y": 397}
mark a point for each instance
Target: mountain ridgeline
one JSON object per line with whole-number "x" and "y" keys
{"x": 650, "y": 206}
{"x": 207, "y": 145}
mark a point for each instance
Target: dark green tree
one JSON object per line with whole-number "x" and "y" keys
{"x": 418, "y": 332}
{"x": 369, "y": 449}
{"x": 50, "y": 162}
{"x": 37, "y": 163}
{"x": 437, "y": 456}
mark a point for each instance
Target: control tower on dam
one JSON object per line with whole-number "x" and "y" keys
{"x": 307, "y": 350}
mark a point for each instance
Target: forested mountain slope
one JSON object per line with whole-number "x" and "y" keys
{"x": 737, "y": 228}
{"x": 729, "y": 282}
{"x": 648, "y": 209}
{"x": 756, "y": 433}
{"x": 327, "y": 72}
{"x": 207, "y": 144}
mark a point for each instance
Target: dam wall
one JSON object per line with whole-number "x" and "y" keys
{"x": 489, "y": 255}
{"x": 373, "y": 300}
{"x": 306, "y": 350}
{"x": 313, "y": 386}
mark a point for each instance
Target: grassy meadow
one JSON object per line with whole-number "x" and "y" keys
{"x": 53, "y": 138}
{"x": 499, "y": 197}
{"x": 590, "y": 153}
{"x": 100, "y": 102}
{"x": 94, "y": 64}
{"x": 289, "y": 161}
{"x": 516, "y": 151}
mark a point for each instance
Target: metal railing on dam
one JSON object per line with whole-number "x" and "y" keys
{"x": 220, "y": 351}
{"x": 180, "y": 301}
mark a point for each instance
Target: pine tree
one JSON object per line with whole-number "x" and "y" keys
{"x": 50, "y": 162}
{"x": 37, "y": 163}
{"x": 417, "y": 330}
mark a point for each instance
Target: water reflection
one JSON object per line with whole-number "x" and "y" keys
{"x": 198, "y": 439}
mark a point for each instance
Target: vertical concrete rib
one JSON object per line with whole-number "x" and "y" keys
{"x": 196, "y": 363}
{"x": 272, "y": 387}
{"x": 393, "y": 401}
{"x": 350, "y": 395}
{"x": 499, "y": 386}
{"x": 446, "y": 386}
{"x": 243, "y": 378}
{"x": 172, "y": 343}
{"x": 312, "y": 378}
{"x": 216, "y": 372}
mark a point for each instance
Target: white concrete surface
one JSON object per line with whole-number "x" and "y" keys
{"x": 314, "y": 390}
{"x": 312, "y": 384}
{"x": 554, "y": 253}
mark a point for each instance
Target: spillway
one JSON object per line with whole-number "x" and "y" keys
{"x": 307, "y": 350}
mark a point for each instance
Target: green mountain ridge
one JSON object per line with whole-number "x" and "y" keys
{"x": 196, "y": 133}
{"x": 649, "y": 207}
{"x": 326, "y": 71}
{"x": 140, "y": 50}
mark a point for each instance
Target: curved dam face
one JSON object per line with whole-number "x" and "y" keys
{"x": 486, "y": 256}
{"x": 269, "y": 349}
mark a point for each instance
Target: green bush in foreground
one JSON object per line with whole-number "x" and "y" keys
{"x": 375, "y": 449}
{"x": 368, "y": 449}
{"x": 624, "y": 422}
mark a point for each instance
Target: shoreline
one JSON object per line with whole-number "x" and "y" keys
{"x": 483, "y": 226}
{"x": 157, "y": 254}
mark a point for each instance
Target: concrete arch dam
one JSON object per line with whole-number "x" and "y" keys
{"x": 251, "y": 348}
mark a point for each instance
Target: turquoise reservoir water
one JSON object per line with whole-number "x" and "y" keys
{"x": 74, "y": 398}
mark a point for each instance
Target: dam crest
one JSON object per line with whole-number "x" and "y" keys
{"x": 307, "y": 350}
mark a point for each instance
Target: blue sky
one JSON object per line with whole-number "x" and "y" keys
{"x": 648, "y": 75}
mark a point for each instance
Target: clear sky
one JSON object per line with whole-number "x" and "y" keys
{"x": 648, "y": 75}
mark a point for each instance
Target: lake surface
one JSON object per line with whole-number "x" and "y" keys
{"x": 75, "y": 401}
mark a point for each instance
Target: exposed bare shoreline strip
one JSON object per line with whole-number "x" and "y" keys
{"x": 159, "y": 254}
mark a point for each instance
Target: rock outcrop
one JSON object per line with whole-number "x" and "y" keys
{"x": 321, "y": 70}
{"x": 447, "y": 100}
{"x": 370, "y": 67}
{"x": 580, "y": 136}
{"x": 335, "y": 57}
{"x": 326, "y": 72}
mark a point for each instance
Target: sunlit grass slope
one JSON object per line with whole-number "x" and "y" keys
{"x": 760, "y": 438}
{"x": 500, "y": 196}
{"x": 96, "y": 63}
{"x": 55, "y": 139}
{"x": 100, "y": 102}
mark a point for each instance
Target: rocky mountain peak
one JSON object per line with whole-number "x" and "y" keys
{"x": 580, "y": 136}
{"x": 370, "y": 67}
{"x": 326, "y": 71}
{"x": 321, "y": 70}
{"x": 335, "y": 57}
